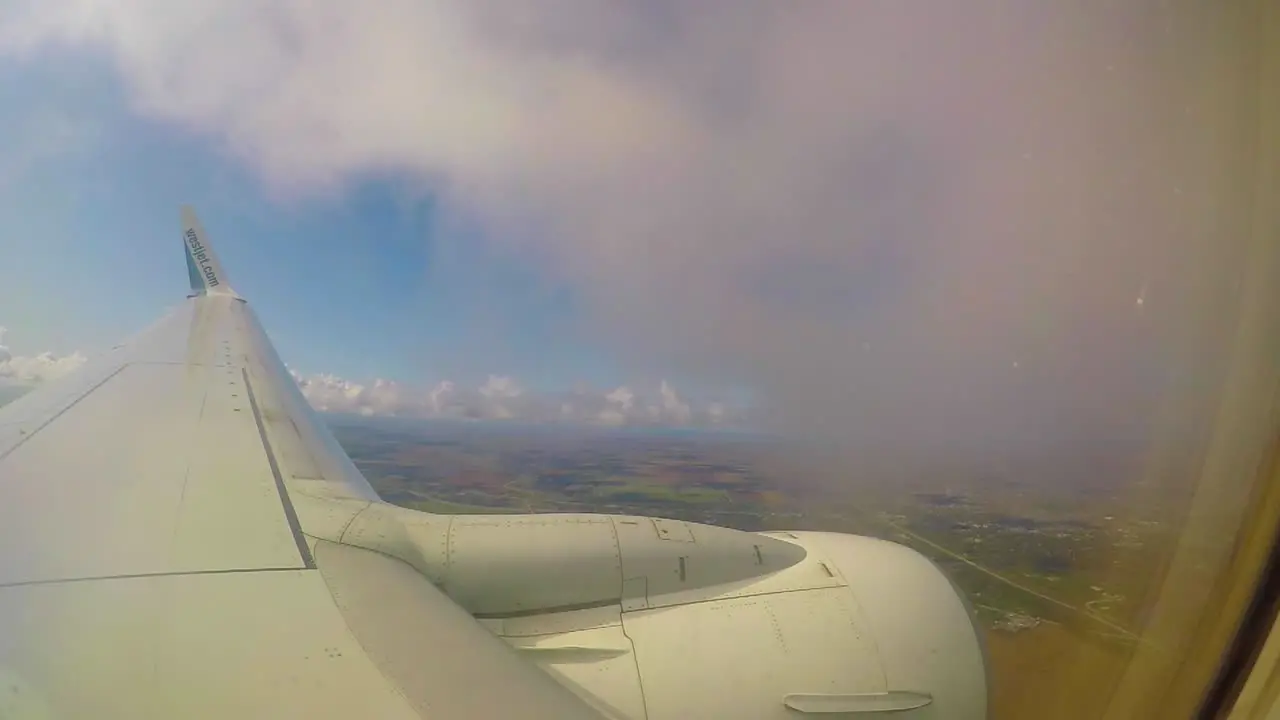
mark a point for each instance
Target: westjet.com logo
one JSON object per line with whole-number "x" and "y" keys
{"x": 202, "y": 259}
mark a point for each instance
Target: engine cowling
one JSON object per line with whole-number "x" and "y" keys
{"x": 653, "y": 619}
{"x": 858, "y": 626}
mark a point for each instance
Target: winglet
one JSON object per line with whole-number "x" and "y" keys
{"x": 203, "y": 268}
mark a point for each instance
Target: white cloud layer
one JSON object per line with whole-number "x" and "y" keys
{"x": 901, "y": 224}
{"x": 31, "y": 369}
{"x": 502, "y": 398}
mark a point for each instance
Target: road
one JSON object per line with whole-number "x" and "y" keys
{"x": 1117, "y": 629}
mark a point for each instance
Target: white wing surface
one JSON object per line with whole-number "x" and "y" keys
{"x": 171, "y": 545}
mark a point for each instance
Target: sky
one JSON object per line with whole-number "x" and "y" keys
{"x": 903, "y": 226}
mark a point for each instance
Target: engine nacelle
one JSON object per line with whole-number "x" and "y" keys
{"x": 858, "y": 626}
{"x": 653, "y": 619}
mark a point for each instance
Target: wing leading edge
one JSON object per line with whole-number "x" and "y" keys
{"x": 172, "y": 522}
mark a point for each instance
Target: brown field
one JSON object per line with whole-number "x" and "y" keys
{"x": 1052, "y": 672}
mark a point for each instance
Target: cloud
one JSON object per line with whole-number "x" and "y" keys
{"x": 330, "y": 393}
{"x": 622, "y": 397}
{"x": 501, "y": 398}
{"x": 501, "y": 393}
{"x": 901, "y": 226}
{"x": 438, "y": 398}
{"x": 673, "y": 408}
{"x": 32, "y": 369}
{"x": 501, "y": 386}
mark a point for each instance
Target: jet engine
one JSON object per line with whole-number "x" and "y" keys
{"x": 654, "y": 619}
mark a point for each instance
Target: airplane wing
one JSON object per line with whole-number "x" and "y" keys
{"x": 171, "y": 545}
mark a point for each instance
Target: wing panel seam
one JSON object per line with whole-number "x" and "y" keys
{"x": 27, "y": 436}
{"x": 291, "y": 515}
{"x": 550, "y": 610}
{"x": 138, "y": 576}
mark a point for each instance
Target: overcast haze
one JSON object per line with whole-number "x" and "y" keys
{"x": 905, "y": 226}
